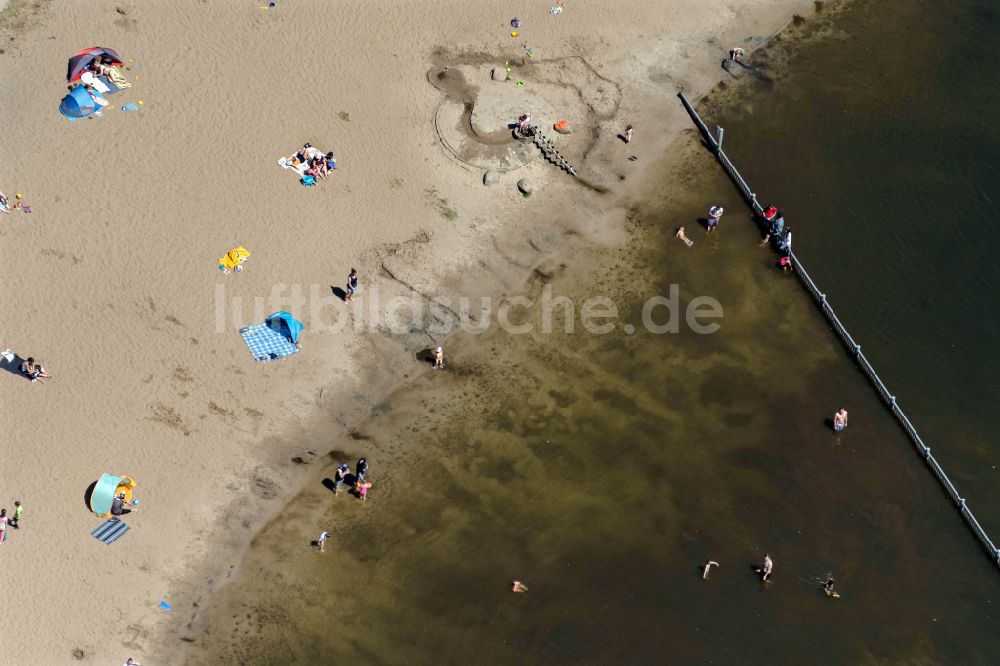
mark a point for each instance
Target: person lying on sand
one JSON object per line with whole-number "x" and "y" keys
{"x": 680, "y": 234}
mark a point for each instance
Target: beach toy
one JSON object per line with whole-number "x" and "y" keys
{"x": 515, "y": 22}
{"x": 140, "y": 102}
{"x": 164, "y": 605}
{"x": 18, "y": 195}
{"x": 515, "y": 33}
{"x": 308, "y": 181}
{"x": 519, "y": 84}
{"x": 131, "y": 106}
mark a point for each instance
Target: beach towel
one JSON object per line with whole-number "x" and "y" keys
{"x": 119, "y": 79}
{"x": 233, "y": 258}
{"x": 99, "y": 83}
{"x": 286, "y": 163}
{"x": 266, "y": 344}
{"x": 110, "y": 531}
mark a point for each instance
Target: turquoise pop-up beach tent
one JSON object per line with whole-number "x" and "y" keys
{"x": 286, "y": 325}
{"x": 78, "y": 103}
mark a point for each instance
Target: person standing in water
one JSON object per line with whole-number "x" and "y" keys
{"x": 518, "y": 586}
{"x": 714, "y": 215}
{"x": 840, "y": 420}
{"x": 360, "y": 470}
{"x": 828, "y": 588}
{"x": 439, "y": 358}
{"x": 766, "y": 567}
{"x": 321, "y": 540}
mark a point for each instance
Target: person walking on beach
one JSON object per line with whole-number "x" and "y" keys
{"x": 359, "y": 471}
{"x": 352, "y": 285}
{"x": 3, "y": 525}
{"x": 840, "y": 420}
{"x": 766, "y": 567}
{"x": 627, "y": 134}
{"x": 714, "y": 215}
{"x": 439, "y": 358}
{"x": 680, "y": 234}
{"x": 321, "y": 540}
{"x": 708, "y": 567}
{"x": 15, "y": 522}
{"x": 338, "y": 477}
{"x": 736, "y": 53}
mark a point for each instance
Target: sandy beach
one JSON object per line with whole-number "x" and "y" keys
{"x": 112, "y": 280}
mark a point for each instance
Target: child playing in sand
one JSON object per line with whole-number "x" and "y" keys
{"x": 363, "y": 490}
{"x": 15, "y": 522}
{"x": 680, "y": 234}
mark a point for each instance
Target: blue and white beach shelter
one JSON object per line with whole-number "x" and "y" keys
{"x": 277, "y": 337}
{"x": 77, "y": 104}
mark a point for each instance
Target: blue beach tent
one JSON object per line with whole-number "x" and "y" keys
{"x": 78, "y": 103}
{"x": 286, "y": 325}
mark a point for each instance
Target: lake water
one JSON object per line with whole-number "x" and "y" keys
{"x": 602, "y": 470}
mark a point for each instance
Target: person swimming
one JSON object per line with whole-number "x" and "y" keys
{"x": 518, "y": 586}
{"x": 708, "y": 567}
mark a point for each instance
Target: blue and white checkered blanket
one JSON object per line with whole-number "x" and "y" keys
{"x": 267, "y": 344}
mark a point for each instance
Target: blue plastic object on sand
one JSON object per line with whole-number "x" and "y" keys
{"x": 308, "y": 180}
{"x": 131, "y": 106}
{"x": 164, "y": 605}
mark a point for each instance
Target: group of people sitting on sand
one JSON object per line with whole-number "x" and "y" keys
{"x": 91, "y": 81}
{"x": 310, "y": 161}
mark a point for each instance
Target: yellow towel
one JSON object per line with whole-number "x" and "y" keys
{"x": 118, "y": 79}
{"x": 234, "y": 258}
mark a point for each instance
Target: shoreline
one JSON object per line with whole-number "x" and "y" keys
{"x": 265, "y": 473}
{"x": 625, "y": 197}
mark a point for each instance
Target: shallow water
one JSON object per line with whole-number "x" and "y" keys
{"x": 602, "y": 470}
{"x": 880, "y": 143}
